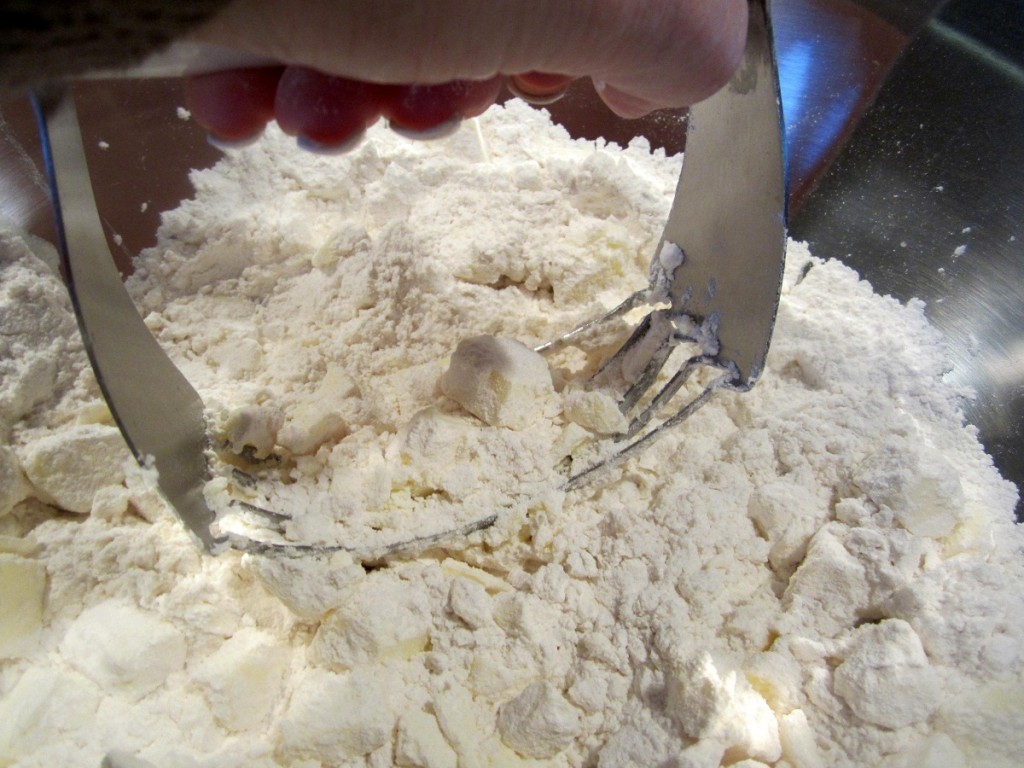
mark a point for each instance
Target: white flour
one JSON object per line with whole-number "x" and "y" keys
{"x": 821, "y": 572}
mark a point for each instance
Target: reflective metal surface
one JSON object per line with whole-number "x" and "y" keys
{"x": 729, "y": 212}
{"x": 926, "y": 200}
{"x": 158, "y": 412}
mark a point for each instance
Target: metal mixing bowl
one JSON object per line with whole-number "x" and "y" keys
{"x": 926, "y": 198}
{"x": 905, "y": 133}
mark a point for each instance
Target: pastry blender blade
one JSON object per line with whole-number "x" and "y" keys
{"x": 716, "y": 275}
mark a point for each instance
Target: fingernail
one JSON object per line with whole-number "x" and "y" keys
{"x": 440, "y": 131}
{"x": 318, "y": 148}
{"x": 538, "y": 88}
{"x": 623, "y": 104}
{"x": 230, "y": 144}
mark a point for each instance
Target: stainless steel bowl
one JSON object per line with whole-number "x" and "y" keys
{"x": 925, "y": 199}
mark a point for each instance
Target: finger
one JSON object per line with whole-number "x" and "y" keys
{"x": 479, "y": 96}
{"x": 676, "y": 54}
{"x": 325, "y": 112}
{"x": 424, "y": 108}
{"x": 233, "y": 106}
{"x": 539, "y": 88}
{"x": 622, "y": 103}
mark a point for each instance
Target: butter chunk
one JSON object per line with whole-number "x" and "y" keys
{"x": 24, "y": 546}
{"x": 255, "y": 427}
{"x": 319, "y": 418}
{"x": 594, "y": 410}
{"x": 22, "y": 590}
{"x": 917, "y": 483}
{"x": 41, "y": 707}
{"x": 887, "y": 679}
{"x": 470, "y": 602}
{"x": 308, "y": 587}
{"x": 120, "y": 646}
{"x": 722, "y": 707}
{"x": 830, "y": 586}
{"x": 539, "y": 722}
{"x": 493, "y": 584}
{"x": 458, "y": 716}
{"x": 69, "y": 467}
{"x": 383, "y": 620}
{"x": 985, "y": 722}
{"x": 242, "y": 679}
{"x": 500, "y": 381}
{"x": 421, "y": 744}
{"x": 13, "y": 486}
{"x": 337, "y": 718}
{"x": 787, "y": 515}
{"x": 462, "y": 718}
{"x": 798, "y": 744}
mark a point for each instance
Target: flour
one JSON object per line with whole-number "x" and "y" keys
{"x": 823, "y": 571}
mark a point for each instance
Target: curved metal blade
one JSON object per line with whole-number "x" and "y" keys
{"x": 157, "y": 410}
{"x": 729, "y": 212}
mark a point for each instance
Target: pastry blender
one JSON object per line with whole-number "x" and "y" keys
{"x": 715, "y": 282}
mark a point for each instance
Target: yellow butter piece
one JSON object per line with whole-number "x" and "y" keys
{"x": 488, "y": 581}
{"x": 22, "y": 592}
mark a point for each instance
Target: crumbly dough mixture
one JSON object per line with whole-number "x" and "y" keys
{"x": 821, "y": 572}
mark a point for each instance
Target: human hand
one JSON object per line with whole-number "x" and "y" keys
{"x": 345, "y": 63}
